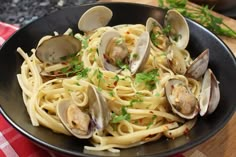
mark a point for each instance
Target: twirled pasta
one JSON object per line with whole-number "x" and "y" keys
{"x": 148, "y": 108}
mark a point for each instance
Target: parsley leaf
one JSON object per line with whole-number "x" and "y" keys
{"x": 135, "y": 101}
{"x": 201, "y": 14}
{"x": 121, "y": 65}
{"x": 151, "y": 123}
{"x": 149, "y": 78}
{"x": 124, "y": 116}
{"x": 83, "y": 73}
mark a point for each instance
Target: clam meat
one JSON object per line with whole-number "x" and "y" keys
{"x": 178, "y": 32}
{"x": 82, "y": 122}
{"x": 175, "y": 57}
{"x": 158, "y": 38}
{"x": 182, "y": 101}
{"x": 175, "y": 31}
{"x": 114, "y": 53}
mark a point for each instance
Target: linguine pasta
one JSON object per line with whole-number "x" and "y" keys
{"x": 138, "y": 105}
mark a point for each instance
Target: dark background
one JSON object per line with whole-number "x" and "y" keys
{"x": 21, "y": 12}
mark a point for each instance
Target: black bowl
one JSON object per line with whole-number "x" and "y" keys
{"x": 222, "y": 62}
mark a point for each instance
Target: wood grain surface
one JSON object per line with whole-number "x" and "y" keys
{"x": 223, "y": 144}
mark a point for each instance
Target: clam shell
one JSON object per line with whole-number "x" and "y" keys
{"x": 199, "y": 65}
{"x": 142, "y": 49}
{"x": 169, "y": 86}
{"x": 176, "y": 60}
{"x": 62, "y": 108}
{"x": 105, "y": 39}
{"x": 98, "y": 108}
{"x": 95, "y": 17}
{"x": 180, "y": 26}
{"x": 98, "y": 111}
{"x": 54, "y": 49}
{"x": 150, "y": 23}
{"x": 215, "y": 94}
{"x": 210, "y": 93}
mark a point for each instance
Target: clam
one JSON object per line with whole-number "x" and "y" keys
{"x": 141, "y": 53}
{"x": 158, "y": 38}
{"x": 95, "y": 17}
{"x": 55, "y": 49}
{"x": 82, "y": 122}
{"x": 175, "y": 30}
{"x": 199, "y": 65}
{"x": 182, "y": 101}
{"x": 114, "y": 52}
{"x": 179, "y": 30}
{"x": 210, "y": 93}
{"x": 176, "y": 60}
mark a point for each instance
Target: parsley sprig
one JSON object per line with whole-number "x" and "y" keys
{"x": 201, "y": 14}
{"x": 75, "y": 67}
{"x": 123, "y": 116}
{"x": 149, "y": 78}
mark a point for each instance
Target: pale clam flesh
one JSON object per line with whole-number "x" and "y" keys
{"x": 82, "y": 122}
{"x": 179, "y": 30}
{"x": 114, "y": 53}
{"x": 181, "y": 99}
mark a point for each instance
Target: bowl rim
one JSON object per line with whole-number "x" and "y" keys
{"x": 179, "y": 149}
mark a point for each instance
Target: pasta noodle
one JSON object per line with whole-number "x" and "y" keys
{"x": 145, "y": 106}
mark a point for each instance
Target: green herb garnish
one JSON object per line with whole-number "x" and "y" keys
{"x": 135, "y": 101}
{"x": 83, "y": 73}
{"x": 151, "y": 123}
{"x": 149, "y": 78}
{"x": 200, "y": 14}
{"x": 124, "y": 116}
{"x": 121, "y": 65}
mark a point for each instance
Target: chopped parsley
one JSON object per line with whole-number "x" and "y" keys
{"x": 154, "y": 37}
{"x": 135, "y": 101}
{"x": 124, "y": 116}
{"x": 119, "y": 41}
{"x": 83, "y": 40}
{"x": 121, "y": 65}
{"x": 111, "y": 93}
{"x": 83, "y": 73}
{"x": 116, "y": 78}
{"x": 167, "y": 29}
{"x": 151, "y": 123}
{"x": 149, "y": 78}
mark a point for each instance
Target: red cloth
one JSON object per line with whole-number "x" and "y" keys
{"x": 12, "y": 143}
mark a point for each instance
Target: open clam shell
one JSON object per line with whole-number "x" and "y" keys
{"x": 181, "y": 100}
{"x": 112, "y": 50}
{"x": 54, "y": 49}
{"x": 158, "y": 39}
{"x": 176, "y": 60}
{"x": 82, "y": 122}
{"x": 95, "y": 17}
{"x": 142, "y": 51}
{"x": 199, "y": 65}
{"x": 179, "y": 32}
{"x": 108, "y": 58}
{"x": 98, "y": 108}
{"x": 210, "y": 93}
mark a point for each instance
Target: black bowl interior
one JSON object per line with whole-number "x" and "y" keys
{"x": 222, "y": 62}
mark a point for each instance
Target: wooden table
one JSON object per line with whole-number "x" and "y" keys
{"x": 223, "y": 144}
